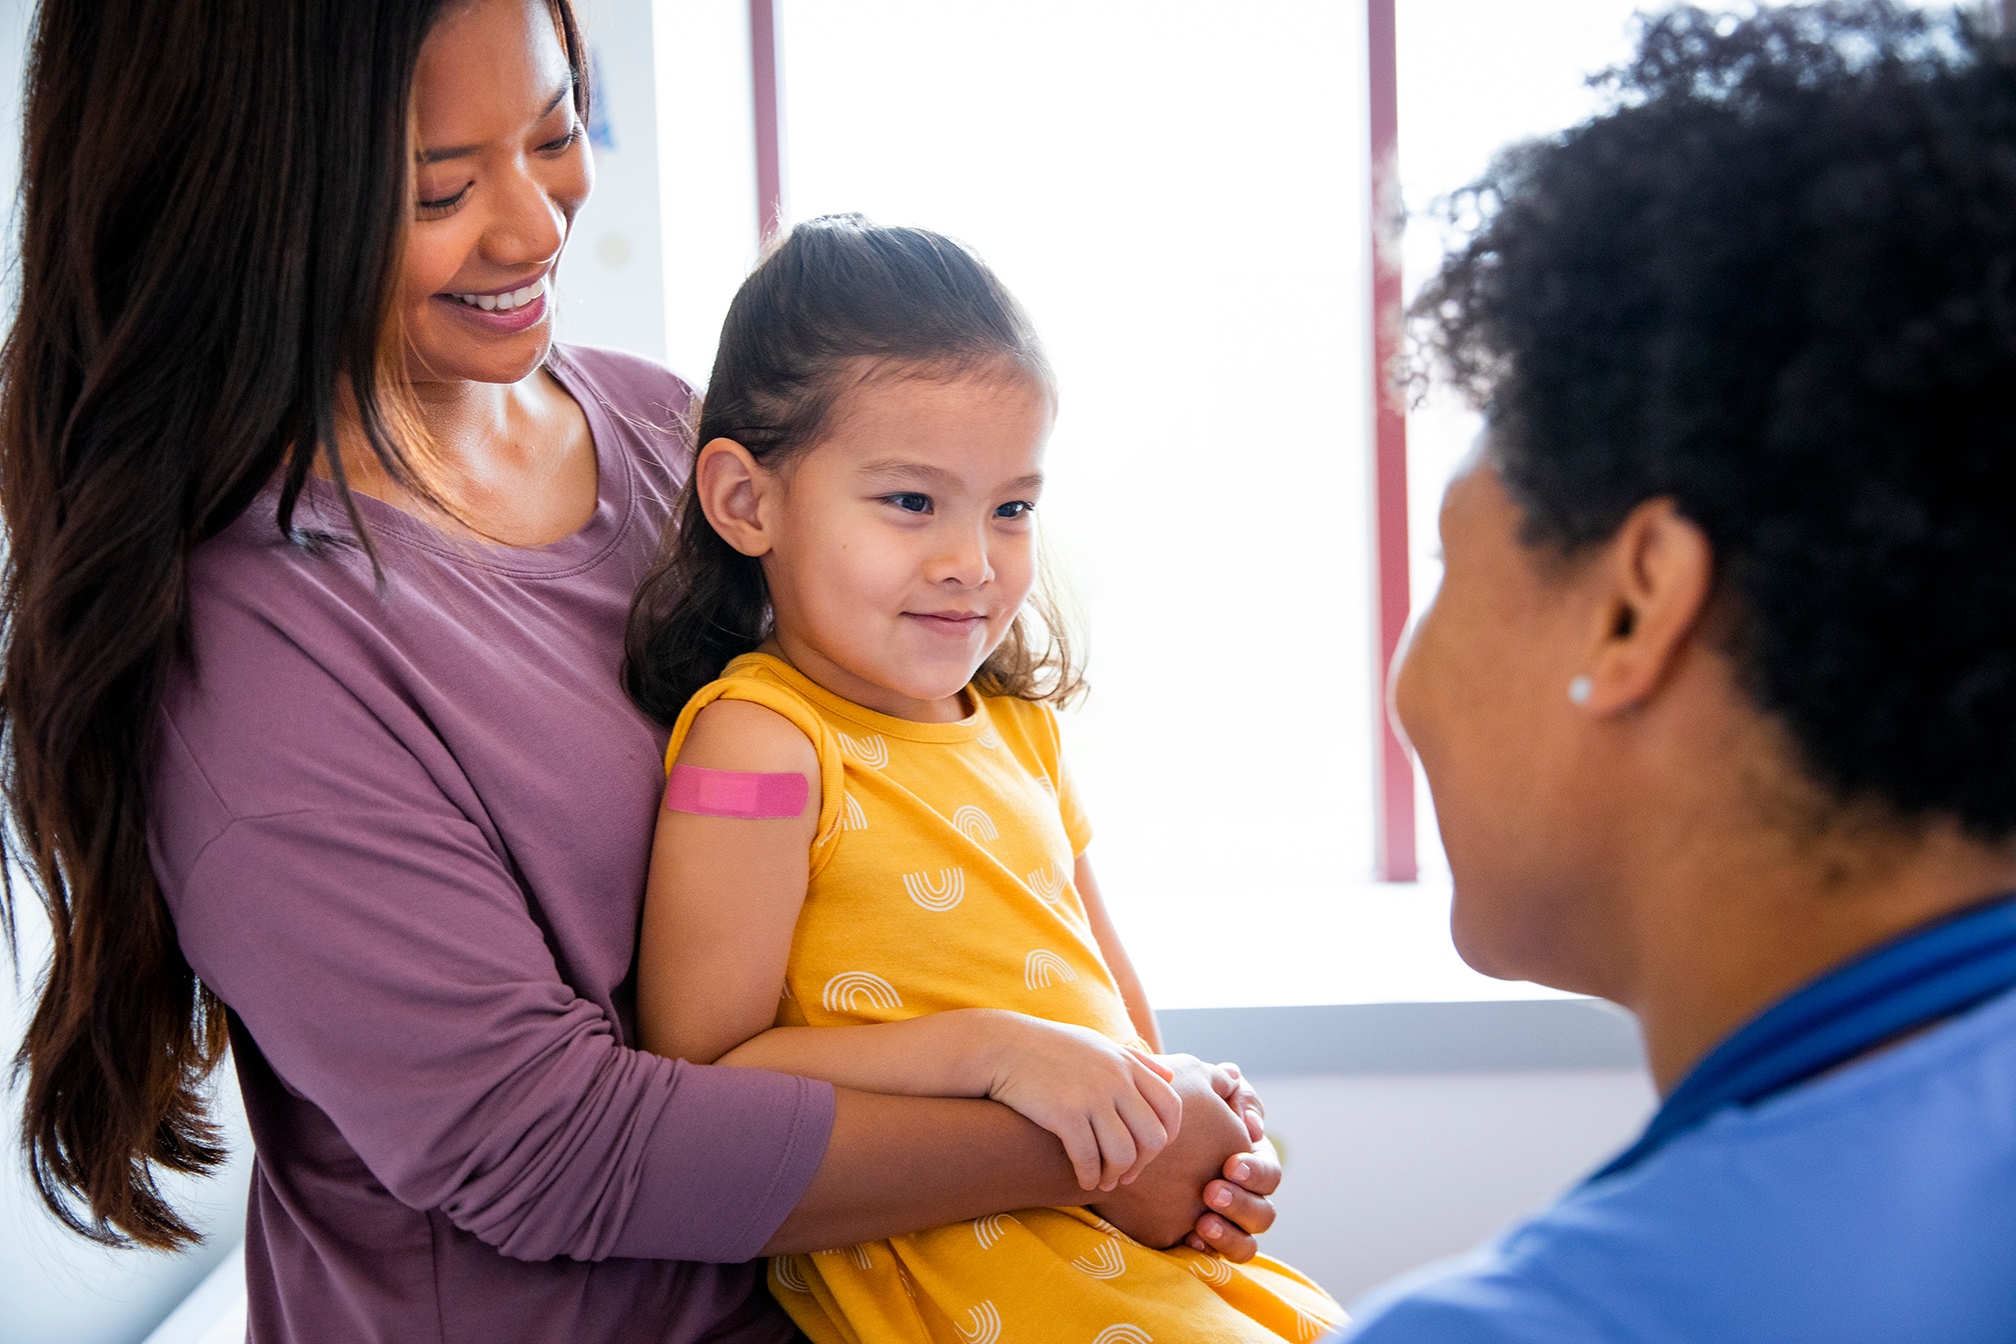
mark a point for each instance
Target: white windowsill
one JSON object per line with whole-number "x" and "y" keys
{"x": 1368, "y": 943}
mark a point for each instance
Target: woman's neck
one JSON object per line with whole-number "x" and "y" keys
{"x": 1733, "y": 922}
{"x": 1698, "y": 873}
{"x": 512, "y": 464}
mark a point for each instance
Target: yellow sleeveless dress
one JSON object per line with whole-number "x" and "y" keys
{"x": 941, "y": 878}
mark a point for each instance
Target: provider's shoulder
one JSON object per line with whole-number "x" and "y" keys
{"x": 1473, "y": 1303}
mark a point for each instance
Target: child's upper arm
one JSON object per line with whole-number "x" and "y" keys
{"x": 1048, "y": 741}
{"x": 724, "y": 893}
{"x": 1117, "y": 961}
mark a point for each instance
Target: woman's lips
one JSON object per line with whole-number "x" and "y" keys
{"x": 518, "y": 319}
{"x": 502, "y": 300}
{"x": 502, "y": 311}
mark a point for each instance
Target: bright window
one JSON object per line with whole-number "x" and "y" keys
{"x": 1177, "y": 194}
{"x": 1474, "y": 76}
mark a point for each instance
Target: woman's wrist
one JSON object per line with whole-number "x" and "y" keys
{"x": 900, "y": 1164}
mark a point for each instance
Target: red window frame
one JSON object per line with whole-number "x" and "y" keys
{"x": 1394, "y": 857}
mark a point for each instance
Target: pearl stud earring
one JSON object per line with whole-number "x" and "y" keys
{"x": 1580, "y": 689}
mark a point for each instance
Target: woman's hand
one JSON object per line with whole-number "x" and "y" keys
{"x": 896, "y": 1164}
{"x": 1112, "y": 1107}
{"x": 1244, "y": 1210}
{"x": 1209, "y": 1188}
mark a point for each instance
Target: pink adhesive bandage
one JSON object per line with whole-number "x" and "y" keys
{"x": 735, "y": 793}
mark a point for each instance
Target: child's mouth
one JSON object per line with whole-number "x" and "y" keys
{"x": 949, "y": 622}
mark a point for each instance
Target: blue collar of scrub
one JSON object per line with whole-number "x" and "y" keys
{"x": 1913, "y": 981}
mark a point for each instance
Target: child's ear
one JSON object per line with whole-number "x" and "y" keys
{"x": 731, "y": 486}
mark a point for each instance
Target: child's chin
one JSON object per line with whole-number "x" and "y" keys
{"x": 932, "y": 674}
{"x": 936, "y": 690}
{"x": 939, "y": 687}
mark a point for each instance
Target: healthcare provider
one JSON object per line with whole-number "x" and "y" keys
{"x": 1718, "y": 698}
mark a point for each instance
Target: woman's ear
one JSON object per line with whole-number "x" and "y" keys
{"x": 1659, "y": 571}
{"x": 732, "y": 485}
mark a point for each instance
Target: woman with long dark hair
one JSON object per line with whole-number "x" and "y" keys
{"x": 319, "y": 554}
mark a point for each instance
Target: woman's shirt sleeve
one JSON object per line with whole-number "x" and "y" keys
{"x": 384, "y": 956}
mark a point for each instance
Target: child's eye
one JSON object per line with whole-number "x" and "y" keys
{"x": 1016, "y": 508}
{"x": 909, "y": 503}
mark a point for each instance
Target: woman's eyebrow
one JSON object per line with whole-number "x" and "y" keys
{"x": 427, "y": 156}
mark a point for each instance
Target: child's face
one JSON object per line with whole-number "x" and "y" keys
{"x": 904, "y": 542}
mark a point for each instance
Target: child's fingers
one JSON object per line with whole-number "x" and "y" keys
{"x": 1151, "y": 1136}
{"x": 1081, "y": 1145}
{"x": 1237, "y": 1093}
{"x": 1154, "y": 1065}
{"x": 1116, "y": 1146}
{"x": 1168, "y": 1106}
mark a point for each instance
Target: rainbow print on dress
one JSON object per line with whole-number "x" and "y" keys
{"x": 941, "y": 879}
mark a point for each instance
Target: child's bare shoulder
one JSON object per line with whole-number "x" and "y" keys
{"x": 742, "y": 735}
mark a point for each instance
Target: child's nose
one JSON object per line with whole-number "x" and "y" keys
{"x": 964, "y": 561}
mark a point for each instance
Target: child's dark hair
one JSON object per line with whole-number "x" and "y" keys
{"x": 836, "y": 294}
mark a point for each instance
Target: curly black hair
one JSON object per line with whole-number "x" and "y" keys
{"x": 1775, "y": 282}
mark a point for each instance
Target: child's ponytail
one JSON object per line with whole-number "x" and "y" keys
{"x": 702, "y": 605}
{"x": 836, "y": 292}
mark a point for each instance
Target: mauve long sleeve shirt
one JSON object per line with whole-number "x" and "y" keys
{"x": 403, "y": 831}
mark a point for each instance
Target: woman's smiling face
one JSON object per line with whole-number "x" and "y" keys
{"x": 501, "y": 167}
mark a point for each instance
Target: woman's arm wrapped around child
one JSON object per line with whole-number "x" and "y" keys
{"x": 725, "y": 894}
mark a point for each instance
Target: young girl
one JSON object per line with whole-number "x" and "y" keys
{"x": 870, "y": 867}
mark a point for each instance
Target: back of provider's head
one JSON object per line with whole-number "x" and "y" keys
{"x": 1776, "y": 284}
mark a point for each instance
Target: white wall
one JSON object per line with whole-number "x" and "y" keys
{"x": 707, "y": 176}
{"x": 1386, "y": 1173}
{"x": 612, "y": 283}
{"x": 61, "y": 1289}
{"x": 13, "y": 37}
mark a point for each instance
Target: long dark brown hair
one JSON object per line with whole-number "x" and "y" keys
{"x": 214, "y": 200}
{"x": 835, "y": 292}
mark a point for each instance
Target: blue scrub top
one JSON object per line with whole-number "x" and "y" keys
{"x": 1874, "y": 1203}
